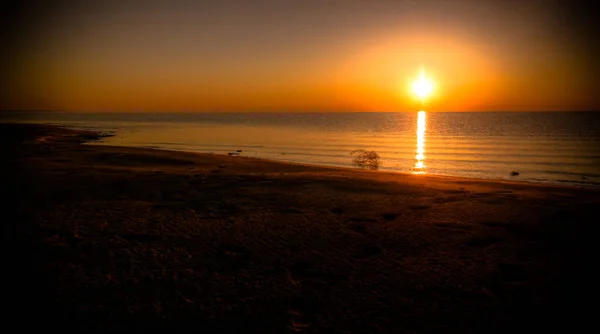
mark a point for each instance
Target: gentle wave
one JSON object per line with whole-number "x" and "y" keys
{"x": 560, "y": 151}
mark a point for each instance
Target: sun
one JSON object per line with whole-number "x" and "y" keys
{"x": 422, "y": 86}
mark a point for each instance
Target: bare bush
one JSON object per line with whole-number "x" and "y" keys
{"x": 366, "y": 159}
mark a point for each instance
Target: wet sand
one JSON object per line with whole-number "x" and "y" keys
{"x": 109, "y": 239}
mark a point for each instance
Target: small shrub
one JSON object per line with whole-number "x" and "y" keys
{"x": 366, "y": 159}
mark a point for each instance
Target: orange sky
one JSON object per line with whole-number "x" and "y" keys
{"x": 298, "y": 56}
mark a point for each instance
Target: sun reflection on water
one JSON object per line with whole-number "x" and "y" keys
{"x": 419, "y": 167}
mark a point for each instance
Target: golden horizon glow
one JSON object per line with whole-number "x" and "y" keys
{"x": 419, "y": 167}
{"x": 188, "y": 56}
{"x": 423, "y": 86}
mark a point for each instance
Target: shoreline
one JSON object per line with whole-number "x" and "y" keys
{"x": 384, "y": 173}
{"x": 119, "y": 238}
{"x": 551, "y": 183}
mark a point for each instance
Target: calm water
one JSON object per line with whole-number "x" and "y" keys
{"x": 559, "y": 148}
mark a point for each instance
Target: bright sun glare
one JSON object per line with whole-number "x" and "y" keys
{"x": 423, "y": 86}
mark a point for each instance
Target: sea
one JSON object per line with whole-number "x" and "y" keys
{"x": 541, "y": 147}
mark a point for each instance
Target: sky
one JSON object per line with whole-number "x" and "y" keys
{"x": 287, "y": 55}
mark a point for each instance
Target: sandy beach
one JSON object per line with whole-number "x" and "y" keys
{"x": 111, "y": 239}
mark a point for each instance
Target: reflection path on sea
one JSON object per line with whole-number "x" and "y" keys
{"x": 419, "y": 167}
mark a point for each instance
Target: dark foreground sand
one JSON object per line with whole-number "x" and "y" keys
{"x": 113, "y": 239}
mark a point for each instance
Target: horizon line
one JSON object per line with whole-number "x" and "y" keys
{"x": 276, "y": 112}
